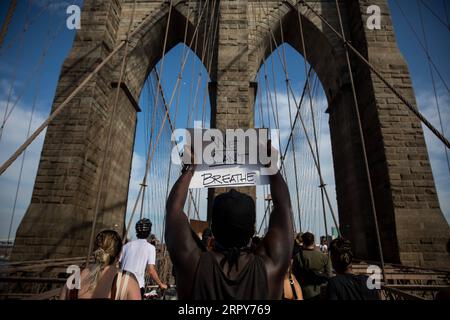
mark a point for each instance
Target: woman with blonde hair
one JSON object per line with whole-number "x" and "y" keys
{"x": 103, "y": 279}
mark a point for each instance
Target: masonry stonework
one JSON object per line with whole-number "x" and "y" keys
{"x": 238, "y": 36}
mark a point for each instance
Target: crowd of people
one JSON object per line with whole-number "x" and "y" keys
{"x": 229, "y": 262}
{"x": 310, "y": 275}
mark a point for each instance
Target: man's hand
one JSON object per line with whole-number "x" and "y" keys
{"x": 163, "y": 286}
{"x": 155, "y": 277}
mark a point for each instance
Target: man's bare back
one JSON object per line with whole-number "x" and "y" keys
{"x": 274, "y": 251}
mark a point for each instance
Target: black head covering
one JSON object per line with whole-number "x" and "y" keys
{"x": 233, "y": 219}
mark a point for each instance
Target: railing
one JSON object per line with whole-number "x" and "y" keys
{"x": 389, "y": 293}
{"x": 28, "y": 280}
{"x": 409, "y": 283}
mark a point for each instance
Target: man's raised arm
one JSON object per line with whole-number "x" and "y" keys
{"x": 178, "y": 232}
{"x": 279, "y": 240}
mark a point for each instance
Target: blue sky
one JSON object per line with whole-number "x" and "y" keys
{"x": 25, "y": 81}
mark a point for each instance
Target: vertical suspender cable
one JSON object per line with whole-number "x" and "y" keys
{"x": 298, "y": 116}
{"x": 433, "y": 82}
{"x": 425, "y": 50}
{"x": 408, "y": 104}
{"x": 275, "y": 97}
{"x": 16, "y": 64}
{"x": 447, "y": 25}
{"x": 290, "y": 121}
{"x": 108, "y": 139}
{"x": 63, "y": 104}
{"x": 158, "y": 89}
{"x": 363, "y": 144}
{"x": 150, "y": 155}
{"x": 22, "y": 164}
{"x": 305, "y": 55}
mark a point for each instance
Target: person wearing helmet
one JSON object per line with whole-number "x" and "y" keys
{"x": 139, "y": 256}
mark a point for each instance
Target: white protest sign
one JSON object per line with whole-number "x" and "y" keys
{"x": 232, "y": 158}
{"x": 227, "y": 175}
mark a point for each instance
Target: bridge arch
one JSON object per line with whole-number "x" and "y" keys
{"x": 68, "y": 177}
{"x": 323, "y": 49}
{"x": 325, "y": 54}
{"x": 147, "y": 47}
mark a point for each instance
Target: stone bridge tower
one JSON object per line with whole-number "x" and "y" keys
{"x": 58, "y": 220}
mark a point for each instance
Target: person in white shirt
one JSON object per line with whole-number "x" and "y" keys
{"x": 139, "y": 256}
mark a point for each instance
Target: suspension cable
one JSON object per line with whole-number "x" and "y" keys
{"x": 31, "y": 75}
{"x": 148, "y": 136}
{"x": 436, "y": 132}
{"x": 422, "y": 45}
{"x": 257, "y": 94}
{"x": 172, "y": 129}
{"x": 305, "y": 55}
{"x": 447, "y": 25}
{"x": 9, "y": 15}
{"x": 433, "y": 83}
{"x": 109, "y": 136}
{"x": 276, "y": 118}
{"x": 202, "y": 59}
{"x": 19, "y": 179}
{"x": 173, "y": 126}
{"x": 77, "y": 89}
{"x": 298, "y": 115}
{"x": 179, "y": 77}
{"x": 213, "y": 39}
{"x": 283, "y": 169}
{"x": 33, "y": 19}
{"x": 363, "y": 144}
{"x": 290, "y": 121}
{"x": 158, "y": 90}
{"x": 16, "y": 65}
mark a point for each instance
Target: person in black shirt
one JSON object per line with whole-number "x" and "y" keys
{"x": 231, "y": 270}
{"x": 311, "y": 267}
{"x": 346, "y": 285}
